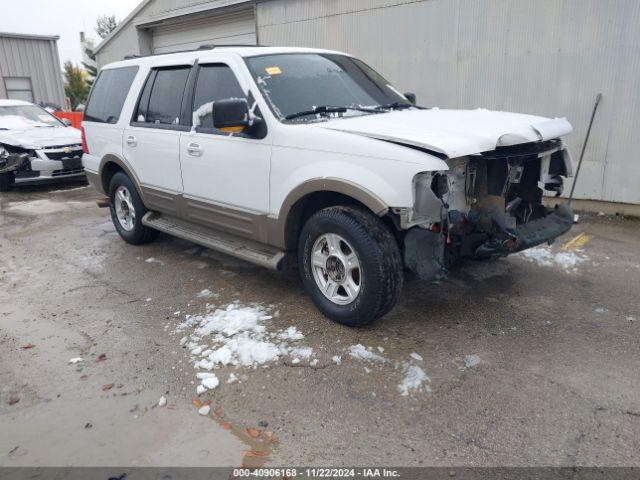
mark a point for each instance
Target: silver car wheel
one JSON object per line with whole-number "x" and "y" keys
{"x": 125, "y": 211}
{"x": 336, "y": 269}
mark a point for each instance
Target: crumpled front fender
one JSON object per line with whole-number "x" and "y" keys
{"x": 12, "y": 161}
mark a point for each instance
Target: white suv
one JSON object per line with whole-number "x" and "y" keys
{"x": 277, "y": 154}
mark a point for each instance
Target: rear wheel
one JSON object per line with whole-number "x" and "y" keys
{"x": 350, "y": 264}
{"x": 127, "y": 211}
{"x": 6, "y": 181}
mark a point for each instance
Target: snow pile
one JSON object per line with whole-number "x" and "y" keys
{"x": 237, "y": 336}
{"x": 414, "y": 377}
{"x": 413, "y": 381}
{"x": 544, "y": 257}
{"x": 360, "y": 352}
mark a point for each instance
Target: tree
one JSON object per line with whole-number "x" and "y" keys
{"x": 90, "y": 70}
{"x": 75, "y": 87}
{"x": 105, "y": 24}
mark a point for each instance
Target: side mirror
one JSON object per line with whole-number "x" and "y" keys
{"x": 67, "y": 122}
{"x": 231, "y": 114}
{"x": 411, "y": 97}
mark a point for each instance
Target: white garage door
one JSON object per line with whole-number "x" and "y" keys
{"x": 231, "y": 28}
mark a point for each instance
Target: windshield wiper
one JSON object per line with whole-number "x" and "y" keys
{"x": 395, "y": 105}
{"x": 324, "y": 109}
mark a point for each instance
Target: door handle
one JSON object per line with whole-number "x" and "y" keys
{"x": 132, "y": 141}
{"x": 194, "y": 150}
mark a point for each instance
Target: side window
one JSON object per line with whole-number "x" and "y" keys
{"x": 108, "y": 94}
{"x": 215, "y": 82}
{"x": 161, "y": 97}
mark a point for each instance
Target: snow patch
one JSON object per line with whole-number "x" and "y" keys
{"x": 291, "y": 333}
{"x": 544, "y": 257}
{"x": 414, "y": 380}
{"x": 76, "y": 360}
{"x": 235, "y": 335}
{"x": 154, "y": 260}
{"x": 471, "y": 361}
{"x": 360, "y": 352}
{"x": 206, "y": 293}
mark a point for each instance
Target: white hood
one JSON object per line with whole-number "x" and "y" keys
{"x": 34, "y": 135}
{"x": 455, "y": 133}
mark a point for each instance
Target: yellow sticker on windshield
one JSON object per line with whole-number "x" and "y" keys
{"x": 273, "y": 70}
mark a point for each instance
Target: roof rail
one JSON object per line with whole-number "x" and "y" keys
{"x": 206, "y": 46}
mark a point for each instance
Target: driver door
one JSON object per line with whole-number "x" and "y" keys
{"x": 225, "y": 175}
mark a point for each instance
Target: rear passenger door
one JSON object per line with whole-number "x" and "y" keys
{"x": 226, "y": 175}
{"x": 151, "y": 143}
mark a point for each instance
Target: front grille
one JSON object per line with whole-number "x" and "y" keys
{"x": 67, "y": 171}
{"x": 74, "y": 154}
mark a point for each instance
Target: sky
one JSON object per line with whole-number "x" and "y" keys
{"x": 66, "y": 18}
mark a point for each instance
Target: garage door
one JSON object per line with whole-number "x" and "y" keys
{"x": 231, "y": 28}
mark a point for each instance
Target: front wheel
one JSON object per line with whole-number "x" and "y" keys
{"x": 127, "y": 211}
{"x": 350, "y": 264}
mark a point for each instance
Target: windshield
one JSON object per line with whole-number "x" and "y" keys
{"x": 22, "y": 116}
{"x": 302, "y": 82}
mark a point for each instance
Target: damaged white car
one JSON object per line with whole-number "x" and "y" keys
{"x": 36, "y": 146}
{"x": 276, "y": 154}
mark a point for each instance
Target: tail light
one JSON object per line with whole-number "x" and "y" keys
{"x": 85, "y": 147}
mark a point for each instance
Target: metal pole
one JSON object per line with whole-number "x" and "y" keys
{"x": 584, "y": 147}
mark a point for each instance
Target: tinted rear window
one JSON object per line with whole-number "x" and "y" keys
{"x": 108, "y": 94}
{"x": 166, "y": 96}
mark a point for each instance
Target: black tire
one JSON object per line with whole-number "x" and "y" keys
{"x": 6, "y": 181}
{"x": 139, "y": 234}
{"x": 377, "y": 250}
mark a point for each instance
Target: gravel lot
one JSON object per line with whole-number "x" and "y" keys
{"x": 532, "y": 360}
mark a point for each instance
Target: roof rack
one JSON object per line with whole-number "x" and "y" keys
{"x": 206, "y": 46}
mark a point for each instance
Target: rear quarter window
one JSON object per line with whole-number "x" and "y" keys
{"x": 108, "y": 94}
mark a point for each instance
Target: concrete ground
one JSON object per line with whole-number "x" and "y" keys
{"x": 532, "y": 361}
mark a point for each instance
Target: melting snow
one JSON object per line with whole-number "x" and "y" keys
{"x": 415, "y": 356}
{"x": 414, "y": 379}
{"x": 76, "y": 360}
{"x": 543, "y": 256}
{"x": 236, "y": 335}
{"x": 205, "y": 293}
{"x": 162, "y": 402}
{"x": 290, "y": 333}
{"x": 154, "y": 260}
{"x": 360, "y": 352}
{"x": 471, "y": 361}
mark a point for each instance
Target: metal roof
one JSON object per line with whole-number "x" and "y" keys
{"x": 29, "y": 36}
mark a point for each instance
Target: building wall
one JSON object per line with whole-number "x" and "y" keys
{"x": 134, "y": 37}
{"x": 545, "y": 57}
{"x": 37, "y": 59}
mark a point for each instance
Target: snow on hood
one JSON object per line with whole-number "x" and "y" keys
{"x": 22, "y": 132}
{"x": 455, "y": 133}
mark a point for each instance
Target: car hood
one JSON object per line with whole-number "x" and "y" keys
{"x": 454, "y": 133}
{"x": 40, "y": 137}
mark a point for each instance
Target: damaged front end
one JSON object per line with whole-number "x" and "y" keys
{"x": 485, "y": 205}
{"x": 11, "y": 159}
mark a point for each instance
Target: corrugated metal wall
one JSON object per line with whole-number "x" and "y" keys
{"x": 546, "y": 57}
{"x": 34, "y": 58}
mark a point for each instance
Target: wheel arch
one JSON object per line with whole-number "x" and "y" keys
{"x": 316, "y": 194}
{"x": 112, "y": 164}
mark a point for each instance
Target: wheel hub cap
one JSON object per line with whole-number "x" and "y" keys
{"x": 125, "y": 211}
{"x": 336, "y": 268}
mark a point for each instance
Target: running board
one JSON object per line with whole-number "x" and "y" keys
{"x": 248, "y": 250}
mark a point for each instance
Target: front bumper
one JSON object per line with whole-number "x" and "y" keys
{"x": 425, "y": 251}
{"x": 52, "y": 164}
{"x": 535, "y": 232}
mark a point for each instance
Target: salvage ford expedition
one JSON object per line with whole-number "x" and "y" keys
{"x": 285, "y": 155}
